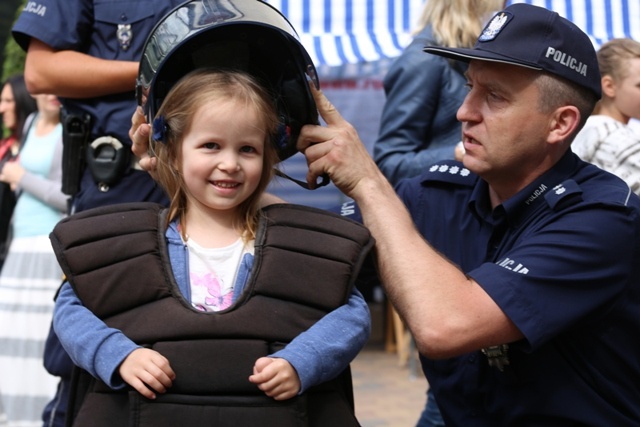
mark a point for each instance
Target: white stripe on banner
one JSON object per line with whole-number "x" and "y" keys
{"x": 602, "y": 20}
{"x": 339, "y": 32}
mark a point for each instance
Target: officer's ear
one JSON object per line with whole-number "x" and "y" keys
{"x": 563, "y": 123}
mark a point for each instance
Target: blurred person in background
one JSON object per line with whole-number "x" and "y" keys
{"x": 607, "y": 140}
{"x": 418, "y": 126}
{"x": 87, "y": 52}
{"x": 16, "y": 106}
{"x": 31, "y": 274}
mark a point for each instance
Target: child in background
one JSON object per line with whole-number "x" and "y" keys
{"x": 213, "y": 139}
{"x": 606, "y": 139}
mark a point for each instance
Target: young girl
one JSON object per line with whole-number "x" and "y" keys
{"x": 255, "y": 302}
{"x": 606, "y": 139}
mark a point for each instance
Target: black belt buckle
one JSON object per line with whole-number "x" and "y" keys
{"x": 107, "y": 159}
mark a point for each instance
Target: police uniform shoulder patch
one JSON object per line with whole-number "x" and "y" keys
{"x": 449, "y": 171}
{"x": 562, "y": 193}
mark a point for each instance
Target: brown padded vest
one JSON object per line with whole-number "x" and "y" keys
{"x": 306, "y": 262}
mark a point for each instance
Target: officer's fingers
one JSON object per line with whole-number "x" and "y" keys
{"x": 137, "y": 119}
{"x": 139, "y": 134}
{"x": 140, "y": 141}
{"x": 148, "y": 164}
{"x": 327, "y": 111}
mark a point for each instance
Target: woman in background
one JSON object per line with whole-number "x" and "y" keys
{"x": 31, "y": 273}
{"x": 16, "y": 105}
{"x": 418, "y": 126}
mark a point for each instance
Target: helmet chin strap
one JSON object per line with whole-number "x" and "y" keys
{"x": 325, "y": 180}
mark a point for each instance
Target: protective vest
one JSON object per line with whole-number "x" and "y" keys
{"x": 306, "y": 262}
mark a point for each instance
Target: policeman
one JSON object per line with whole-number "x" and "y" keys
{"x": 87, "y": 53}
{"x": 516, "y": 270}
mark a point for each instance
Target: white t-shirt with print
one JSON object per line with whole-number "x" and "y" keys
{"x": 212, "y": 273}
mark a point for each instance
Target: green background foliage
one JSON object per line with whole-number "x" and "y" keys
{"x": 11, "y": 56}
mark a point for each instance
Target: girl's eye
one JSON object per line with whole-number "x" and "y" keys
{"x": 247, "y": 149}
{"x": 210, "y": 145}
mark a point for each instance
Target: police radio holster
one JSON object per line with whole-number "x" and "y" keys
{"x": 76, "y": 129}
{"x": 106, "y": 157}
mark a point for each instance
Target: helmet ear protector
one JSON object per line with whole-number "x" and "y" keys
{"x": 247, "y": 35}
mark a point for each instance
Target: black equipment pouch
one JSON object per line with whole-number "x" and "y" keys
{"x": 75, "y": 133}
{"x": 108, "y": 159}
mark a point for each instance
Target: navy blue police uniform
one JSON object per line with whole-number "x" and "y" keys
{"x": 107, "y": 29}
{"x": 560, "y": 259}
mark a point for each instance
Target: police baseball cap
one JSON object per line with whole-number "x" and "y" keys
{"x": 537, "y": 38}
{"x": 247, "y": 35}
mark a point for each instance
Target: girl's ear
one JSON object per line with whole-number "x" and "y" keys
{"x": 608, "y": 86}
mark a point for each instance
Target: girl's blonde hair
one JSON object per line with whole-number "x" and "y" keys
{"x": 613, "y": 57}
{"x": 192, "y": 92}
{"x": 612, "y": 61}
{"x": 457, "y": 23}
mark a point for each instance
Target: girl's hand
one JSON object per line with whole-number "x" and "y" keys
{"x": 276, "y": 377}
{"x": 147, "y": 371}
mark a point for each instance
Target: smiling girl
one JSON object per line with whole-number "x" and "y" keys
{"x": 262, "y": 298}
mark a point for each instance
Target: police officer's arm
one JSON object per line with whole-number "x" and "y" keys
{"x": 448, "y": 313}
{"x": 73, "y": 74}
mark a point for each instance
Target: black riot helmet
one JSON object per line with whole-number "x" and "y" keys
{"x": 247, "y": 35}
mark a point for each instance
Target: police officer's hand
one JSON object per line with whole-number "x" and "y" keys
{"x": 147, "y": 371}
{"x": 336, "y": 150}
{"x": 139, "y": 134}
{"x": 276, "y": 377}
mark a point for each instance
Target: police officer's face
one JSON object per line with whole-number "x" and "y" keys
{"x": 504, "y": 132}
{"x": 222, "y": 156}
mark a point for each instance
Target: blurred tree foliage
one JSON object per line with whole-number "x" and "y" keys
{"x": 11, "y": 56}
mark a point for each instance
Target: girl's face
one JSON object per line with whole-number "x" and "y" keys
{"x": 8, "y": 108}
{"x": 222, "y": 155}
{"x": 627, "y": 94}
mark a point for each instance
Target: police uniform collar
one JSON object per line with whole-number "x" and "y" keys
{"x": 548, "y": 190}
